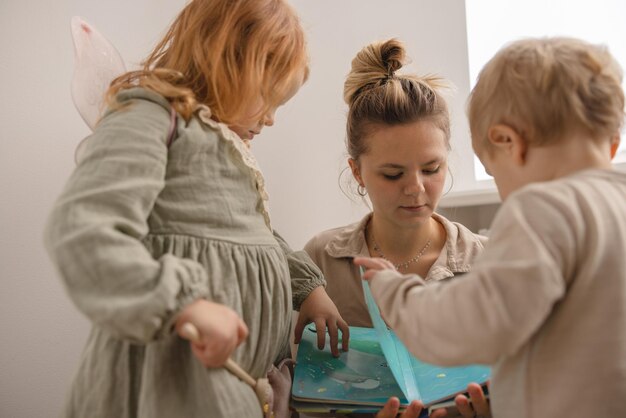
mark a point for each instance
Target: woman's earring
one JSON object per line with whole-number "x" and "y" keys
{"x": 361, "y": 190}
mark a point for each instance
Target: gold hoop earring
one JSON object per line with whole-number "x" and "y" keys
{"x": 361, "y": 190}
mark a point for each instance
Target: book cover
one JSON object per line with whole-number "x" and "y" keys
{"x": 377, "y": 366}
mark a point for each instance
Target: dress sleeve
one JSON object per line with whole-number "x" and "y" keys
{"x": 494, "y": 309}
{"x": 305, "y": 275}
{"x": 94, "y": 233}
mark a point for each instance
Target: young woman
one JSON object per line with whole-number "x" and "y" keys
{"x": 398, "y": 140}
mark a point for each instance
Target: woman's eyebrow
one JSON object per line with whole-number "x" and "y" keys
{"x": 433, "y": 161}
{"x": 391, "y": 165}
{"x": 400, "y": 166}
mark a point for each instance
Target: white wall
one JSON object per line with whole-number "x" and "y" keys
{"x": 42, "y": 333}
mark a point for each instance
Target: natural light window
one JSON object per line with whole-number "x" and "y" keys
{"x": 493, "y": 23}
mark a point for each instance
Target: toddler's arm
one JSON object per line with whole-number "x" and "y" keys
{"x": 517, "y": 280}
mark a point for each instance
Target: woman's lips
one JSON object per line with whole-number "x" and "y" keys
{"x": 413, "y": 208}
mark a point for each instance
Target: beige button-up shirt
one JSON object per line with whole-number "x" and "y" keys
{"x": 334, "y": 249}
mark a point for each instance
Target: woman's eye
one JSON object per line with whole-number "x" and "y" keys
{"x": 432, "y": 170}
{"x": 392, "y": 176}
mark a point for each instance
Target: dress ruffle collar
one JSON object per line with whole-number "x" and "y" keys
{"x": 243, "y": 148}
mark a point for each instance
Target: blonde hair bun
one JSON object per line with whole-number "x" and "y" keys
{"x": 372, "y": 66}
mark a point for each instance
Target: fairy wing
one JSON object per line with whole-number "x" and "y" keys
{"x": 96, "y": 64}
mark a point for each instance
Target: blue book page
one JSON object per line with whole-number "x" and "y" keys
{"x": 419, "y": 380}
{"x": 360, "y": 376}
{"x": 439, "y": 383}
{"x": 398, "y": 358}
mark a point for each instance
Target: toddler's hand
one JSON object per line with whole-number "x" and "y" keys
{"x": 320, "y": 309}
{"x": 373, "y": 265}
{"x": 221, "y": 331}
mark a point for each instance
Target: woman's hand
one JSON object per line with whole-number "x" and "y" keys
{"x": 479, "y": 406}
{"x": 219, "y": 327}
{"x": 391, "y": 408}
{"x": 320, "y": 309}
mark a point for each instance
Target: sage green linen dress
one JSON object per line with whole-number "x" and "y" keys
{"x": 140, "y": 231}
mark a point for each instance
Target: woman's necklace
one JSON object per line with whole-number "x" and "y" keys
{"x": 405, "y": 264}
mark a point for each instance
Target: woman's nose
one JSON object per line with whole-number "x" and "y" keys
{"x": 414, "y": 186}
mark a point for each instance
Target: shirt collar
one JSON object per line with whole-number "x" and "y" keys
{"x": 456, "y": 257}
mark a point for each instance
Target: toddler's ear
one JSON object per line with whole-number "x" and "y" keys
{"x": 506, "y": 139}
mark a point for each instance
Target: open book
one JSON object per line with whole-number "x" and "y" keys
{"x": 377, "y": 366}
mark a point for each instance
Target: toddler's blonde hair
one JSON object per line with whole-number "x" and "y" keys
{"x": 225, "y": 54}
{"x": 547, "y": 88}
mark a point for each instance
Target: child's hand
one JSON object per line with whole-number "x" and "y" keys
{"x": 392, "y": 406}
{"x": 373, "y": 265}
{"x": 320, "y": 309}
{"x": 221, "y": 331}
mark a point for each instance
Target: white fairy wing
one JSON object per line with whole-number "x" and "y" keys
{"x": 96, "y": 64}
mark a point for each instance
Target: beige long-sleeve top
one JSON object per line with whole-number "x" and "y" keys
{"x": 545, "y": 303}
{"x": 141, "y": 230}
{"x": 334, "y": 249}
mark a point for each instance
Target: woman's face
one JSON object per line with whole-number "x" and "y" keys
{"x": 404, "y": 171}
